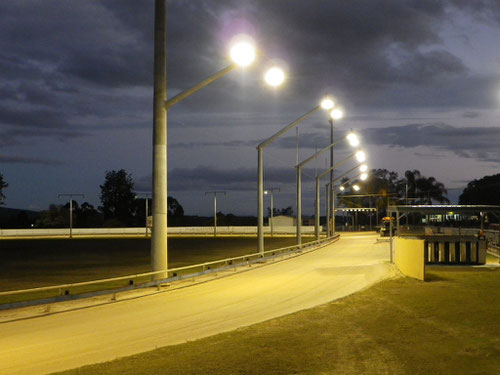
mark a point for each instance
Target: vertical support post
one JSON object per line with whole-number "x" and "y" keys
{"x": 159, "y": 230}
{"x": 272, "y": 213}
{"x": 299, "y": 206}
{"x": 316, "y": 222}
{"x": 71, "y": 218}
{"x": 146, "y": 225}
{"x": 390, "y": 234}
{"x": 327, "y": 214}
{"x": 332, "y": 190}
{"x": 333, "y": 209}
{"x": 215, "y": 214}
{"x": 260, "y": 199}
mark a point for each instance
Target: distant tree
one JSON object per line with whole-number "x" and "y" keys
{"x": 288, "y": 211}
{"x": 174, "y": 208}
{"x": 87, "y": 216}
{"x": 57, "y": 216}
{"x": 117, "y": 198}
{"x": 483, "y": 191}
{"x": 421, "y": 189}
{"x": 3, "y": 185}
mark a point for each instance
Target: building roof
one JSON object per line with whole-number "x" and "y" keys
{"x": 444, "y": 209}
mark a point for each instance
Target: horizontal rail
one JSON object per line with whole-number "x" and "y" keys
{"x": 171, "y": 270}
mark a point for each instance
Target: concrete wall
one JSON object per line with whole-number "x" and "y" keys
{"x": 409, "y": 257}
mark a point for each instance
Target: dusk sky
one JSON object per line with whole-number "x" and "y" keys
{"x": 418, "y": 80}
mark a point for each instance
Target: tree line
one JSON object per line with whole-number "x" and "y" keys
{"x": 120, "y": 206}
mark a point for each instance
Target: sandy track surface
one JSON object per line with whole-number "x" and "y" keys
{"x": 74, "y": 338}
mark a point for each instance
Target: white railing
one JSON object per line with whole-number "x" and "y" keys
{"x": 222, "y": 230}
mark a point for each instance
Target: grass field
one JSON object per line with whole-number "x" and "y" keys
{"x": 41, "y": 262}
{"x": 449, "y": 325}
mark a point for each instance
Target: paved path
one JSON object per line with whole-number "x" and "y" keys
{"x": 71, "y": 339}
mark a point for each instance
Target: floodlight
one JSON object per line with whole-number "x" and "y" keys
{"x": 355, "y": 187}
{"x": 363, "y": 168}
{"x": 327, "y": 103}
{"x": 342, "y": 188}
{"x": 242, "y": 51}
{"x": 363, "y": 176}
{"x": 360, "y": 156}
{"x": 353, "y": 139}
{"x": 274, "y": 76}
{"x": 336, "y": 114}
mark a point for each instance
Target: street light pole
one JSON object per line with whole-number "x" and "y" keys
{"x": 271, "y": 224}
{"x": 299, "y": 187}
{"x": 159, "y": 214}
{"x": 242, "y": 55}
{"x": 146, "y": 196}
{"x": 215, "y": 207}
{"x": 260, "y": 176}
{"x": 71, "y": 209}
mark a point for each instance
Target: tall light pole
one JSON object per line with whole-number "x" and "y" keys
{"x": 271, "y": 223}
{"x": 71, "y": 209}
{"x": 146, "y": 209}
{"x": 299, "y": 167}
{"x": 335, "y": 114}
{"x": 215, "y": 207}
{"x": 325, "y": 104}
{"x": 242, "y": 54}
{"x": 362, "y": 167}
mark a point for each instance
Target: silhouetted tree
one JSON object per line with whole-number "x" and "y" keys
{"x": 3, "y": 185}
{"x": 87, "y": 216}
{"x": 421, "y": 189}
{"x": 57, "y": 216}
{"x": 117, "y": 198}
{"x": 483, "y": 191}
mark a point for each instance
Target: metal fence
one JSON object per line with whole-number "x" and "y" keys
{"x": 63, "y": 292}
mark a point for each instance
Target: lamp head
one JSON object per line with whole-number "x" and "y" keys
{"x": 327, "y": 103}
{"x": 336, "y": 114}
{"x": 363, "y": 176}
{"x": 242, "y": 51}
{"x": 342, "y": 188}
{"x": 363, "y": 168}
{"x": 355, "y": 187}
{"x": 360, "y": 156}
{"x": 274, "y": 76}
{"x": 353, "y": 139}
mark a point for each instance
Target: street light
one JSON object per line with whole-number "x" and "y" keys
{"x": 242, "y": 51}
{"x": 274, "y": 76}
{"x": 326, "y": 104}
{"x": 329, "y": 196}
{"x": 336, "y": 114}
{"x": 215, "y": 207}
{"x": 355, "y": 187}
{"x": 242, "y": 54}
{"x": 271, "y": 190}
{"x": 299, "y": 187}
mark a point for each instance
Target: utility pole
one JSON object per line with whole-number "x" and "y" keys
{"x": 71, "y": 209}
{"x": 215, "y": 207}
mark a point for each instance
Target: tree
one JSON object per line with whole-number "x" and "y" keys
{"x": 117, "y": 198}
{"x": 3, "y": 185}
{"x": 483, "y": 191}
{"x": 87, "y": 216}
{"x": 421, "y": 189}
{"x": 57, "y": 216}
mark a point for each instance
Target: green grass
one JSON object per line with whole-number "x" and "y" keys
{"x": 449, "y": 325}
{"x": 44, "y": 262}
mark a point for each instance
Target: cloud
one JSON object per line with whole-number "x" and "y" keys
{"x": 29, "y": 160}
{"x": 468, "y": 142}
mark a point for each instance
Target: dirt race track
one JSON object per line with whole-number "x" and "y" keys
{"x": 73, "y": 338}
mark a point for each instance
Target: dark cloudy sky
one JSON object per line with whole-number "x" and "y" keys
{"x": 419, "y": 80}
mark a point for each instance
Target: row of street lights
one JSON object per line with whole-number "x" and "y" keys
{"x": 242, "y": 54}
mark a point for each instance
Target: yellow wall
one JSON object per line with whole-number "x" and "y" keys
{"x": 409, "y": 257}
